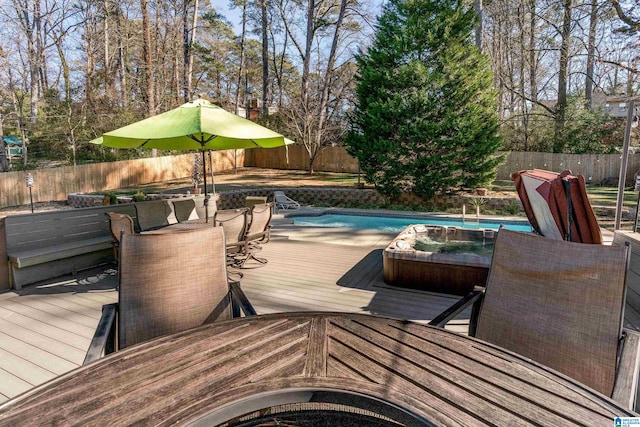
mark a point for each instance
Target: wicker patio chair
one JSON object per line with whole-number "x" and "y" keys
{"x": 234, "y": 223}
{"x": 119, "y": 224}
{"x": 561, "y": 304}
{"x": 168, "y": 283}
{"x": 258, "y": 232}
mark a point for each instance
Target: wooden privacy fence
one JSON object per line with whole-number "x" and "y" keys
{"x": 336, "y": 159}
{"x": 57, "y": 183}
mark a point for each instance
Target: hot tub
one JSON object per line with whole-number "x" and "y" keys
{"x": 448, "y": 260}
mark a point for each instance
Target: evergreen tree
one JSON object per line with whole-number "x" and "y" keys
{"x": 426, "y": 115}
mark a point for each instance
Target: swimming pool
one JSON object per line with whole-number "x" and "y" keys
{"x": 397, "y": 224}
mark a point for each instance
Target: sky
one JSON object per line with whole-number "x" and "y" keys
{"x": 233, "y": 15}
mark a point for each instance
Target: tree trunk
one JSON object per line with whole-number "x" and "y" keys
{"x": 278, "y": 67}
{"x": 108, "y": 75}
{"x": 176, "y": 77}
{"x": 265, "y": 59}
{"x": 533, "y": 59}
{"x": 241, "y": 64}
{"x": 591, "y": 53}
{"x": 40, "y": 58}
{"x": 306, "y": 108}
{"x": 561, "y": 105}
{"x": 478, "y": 9}
{"x": 148, "y": 60}
{"x": 523, "y": 95}
{"x": 324, "y": 99}
{"x": 122, "y": 69}
{"x": 148, "y": 78}
{"x": 189, "y": 35}
{"x": 17, "y": 105}
{"x": 33, "y": 67}
{"x": 66, "y": 73}
{"x": 89, "y": 30}
{"x": 4, "y": 163}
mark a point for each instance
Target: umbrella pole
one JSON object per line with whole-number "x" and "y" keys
{"x": 213, "y": 182}
{"x": 206, "y": 197}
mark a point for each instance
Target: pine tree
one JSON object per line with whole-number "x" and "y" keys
{"x": 425, "y": 119}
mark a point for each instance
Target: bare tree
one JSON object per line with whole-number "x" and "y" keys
{"x": 326, "y": 25}
{"x": 148, "y": 68}
{"x": 265, "y": 56}
{"x": 561, "y": 104}
{"x": 122, "y": 68}
{"x": 626, "y": 16}
{"x": 189, "y": 30}
{"x": 243, "y": 5}
{"x": 479, "y": 12}
{"x": 28, "y": 17}
{"x": 591, "y": 54}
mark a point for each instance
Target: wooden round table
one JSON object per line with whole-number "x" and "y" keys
{"x": 323, "y": 363}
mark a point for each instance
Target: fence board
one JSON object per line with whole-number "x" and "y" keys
{"x": 57, "y": 183}
{"x": 336, "y": 159}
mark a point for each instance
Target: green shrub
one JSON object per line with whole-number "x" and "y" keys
{"x": 512, "y": 208}
{"x": 110, "y": 199}
{"x": 139, "y": 197}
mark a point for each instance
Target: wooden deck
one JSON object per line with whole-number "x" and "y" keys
{"x": 45, "y": 329}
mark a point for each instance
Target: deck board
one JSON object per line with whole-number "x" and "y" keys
{"x": 52, "y": 326}
{"x": 43, "y": 310}
{"x": 35, "y": 355}
{"x": 11, "y": 385}
{"x": 25, "y": 370}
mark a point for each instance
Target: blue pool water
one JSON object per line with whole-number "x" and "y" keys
{"x": 397, "y": 224}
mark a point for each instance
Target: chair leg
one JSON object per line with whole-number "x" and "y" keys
{"x": 234, "y": 275}
{"x": 251, "y": 257}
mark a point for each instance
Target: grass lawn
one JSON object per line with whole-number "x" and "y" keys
{"x": 598, "y": 196}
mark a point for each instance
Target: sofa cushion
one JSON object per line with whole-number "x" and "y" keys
{"x": 185, "y": 210}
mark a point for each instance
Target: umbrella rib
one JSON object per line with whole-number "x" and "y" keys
{"x": 201, "y": 142}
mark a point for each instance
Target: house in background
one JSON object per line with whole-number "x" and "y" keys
{"x": 611, "y": 104}
{"x": 255, "y": 109}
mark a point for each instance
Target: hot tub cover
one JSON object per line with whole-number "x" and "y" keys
{"x": 545, "y": 203}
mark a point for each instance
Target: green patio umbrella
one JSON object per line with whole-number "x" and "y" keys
{"x": 195, "y": 125}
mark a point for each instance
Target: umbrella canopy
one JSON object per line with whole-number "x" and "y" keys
{"x": 196, "y": 125}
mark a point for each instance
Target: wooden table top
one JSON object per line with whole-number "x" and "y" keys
{"x": 230, "y": 368}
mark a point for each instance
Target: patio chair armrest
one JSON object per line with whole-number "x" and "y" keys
{"x": 240, "y": 301}
{"x": 103, "y": 341}
{"x": 474, "y": 297}
{"x": 626, "y": 385}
